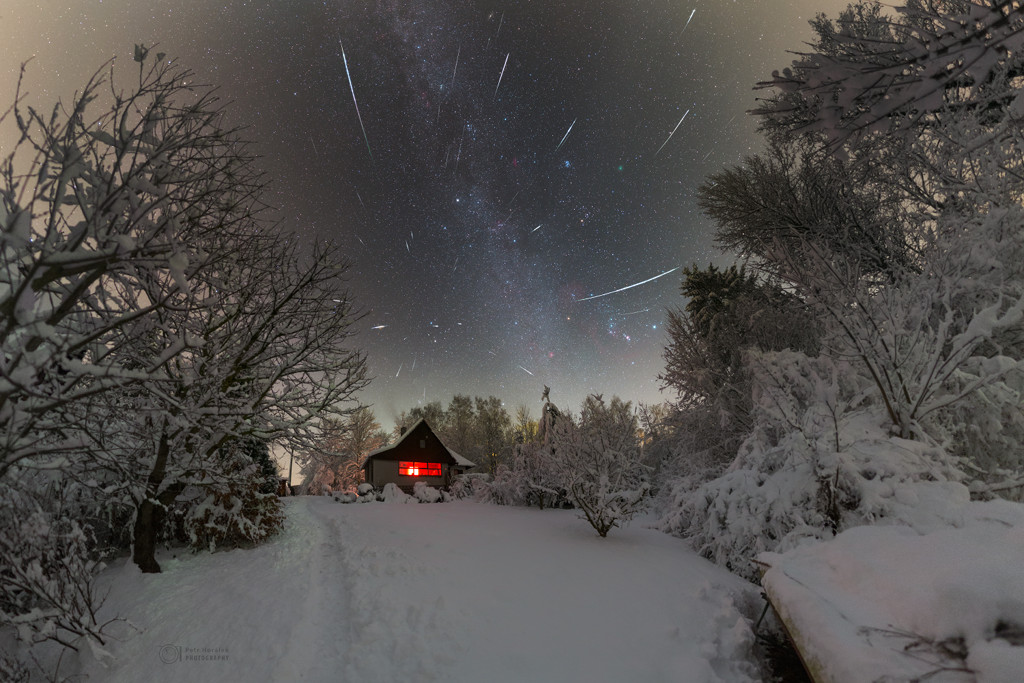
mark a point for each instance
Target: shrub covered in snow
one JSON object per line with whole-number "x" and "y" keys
{"x": 344, "y": 497}
{"x": 425, "y": 493}
{"x": 818, "y": 462}
{"x": 393, "y": 494}
{"x": 599, "y": 463}
{"x": 421, "y": 493}
{"x": 470, "y": 485}
{"x": 232, "y": 512}
{"x": 233, "y": 516}
{"x": 46, "y": 568}
{"x": 534, "y": 476}
{"x": 506, "y": 487}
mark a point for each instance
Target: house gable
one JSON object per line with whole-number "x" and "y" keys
{"x": 418, "y": 455}
{"x": 419, "y": 443}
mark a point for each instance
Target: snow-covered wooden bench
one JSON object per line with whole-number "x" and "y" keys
{"x": 887, "y": 603}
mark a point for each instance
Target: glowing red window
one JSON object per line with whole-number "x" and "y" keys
{"x": 419, "y": 469}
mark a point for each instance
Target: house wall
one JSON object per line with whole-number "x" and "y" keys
{"x": 386, "y": 471}
{"x": 418, "y": 445}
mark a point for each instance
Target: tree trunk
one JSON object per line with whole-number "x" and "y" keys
{"x": 149, "y": 514}
{"x": 144, "y": 538}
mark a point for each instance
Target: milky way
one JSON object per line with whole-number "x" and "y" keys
{"x": 493, "y": 170}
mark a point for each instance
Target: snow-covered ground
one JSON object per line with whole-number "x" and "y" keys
{"x": 448, "y": 592}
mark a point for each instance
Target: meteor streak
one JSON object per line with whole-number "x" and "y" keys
{"x": 378, "y": 327}
{"x": 537, "y": 228}
{"x": 688, "y": 21}
{"x": 456, "y": 69}
{"x": 672, "y": 133}
{"x": 501, "y": 75}
{"x": 458, "y": 154}
{"x": 526, "y": 371}
{"x": 637, "y": 284}
{"x": 566, "y": 134}
{"x": 399, "y": 369}
{"x": 353, "y": 89}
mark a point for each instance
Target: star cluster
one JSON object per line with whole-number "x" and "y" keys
{"x": 494, "y": 171}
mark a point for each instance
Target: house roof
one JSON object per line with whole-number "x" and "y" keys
{"x": 459, "y": 460}
{"x": 463, "y": 462}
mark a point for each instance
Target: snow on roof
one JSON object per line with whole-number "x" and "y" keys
{"x": 459, "y": 460}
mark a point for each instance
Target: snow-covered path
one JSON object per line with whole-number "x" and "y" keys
{"x": 447, "y": 592}
{"x": 273, "y": 613}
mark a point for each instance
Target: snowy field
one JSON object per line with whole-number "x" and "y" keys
{"x": 448, "y": 592}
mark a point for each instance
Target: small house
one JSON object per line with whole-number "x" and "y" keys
{"x": 418, "y": 455}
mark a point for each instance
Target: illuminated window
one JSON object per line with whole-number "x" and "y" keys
{"x": 419, "y": 469}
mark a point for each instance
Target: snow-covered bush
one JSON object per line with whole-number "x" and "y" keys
{"x": 13, "y": 671}
{"x": 425, "y": 493}
{"x": 473, "y": 485}
{"x": 232, "y": 516}
{"x": 599, "y": 462}
{"x": 393, "y": 494}
{"x": 821, "y": 459}
{"x": 985, "y": 429}
{"x": 46, "y": 569}
{"x": 505, "y": 488}
{"x": 344, "y": 497}
{"x": 537, "y": 473}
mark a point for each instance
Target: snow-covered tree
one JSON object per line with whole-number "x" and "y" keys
{"x": 275, "y": 363}
{"x": 92, "y": 207}
{"x": 893, "y": 213}
{"x": 494, "y": 432}
{"x": 336, "y": 464}
{"x": 524, "y": 429}
{"x": 459, "y": 426}
{"x": 211, "y": 329}
{"x": 895, "y": 276}
{"x": 152, "y": 328}
{"x": 599, "y": 462}
{"x": 727, "y": 312}
{"x": 532, "y": 475}
{"x": 872, "y": 73}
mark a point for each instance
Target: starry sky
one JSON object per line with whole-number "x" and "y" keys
{"x": 487, "y": 167}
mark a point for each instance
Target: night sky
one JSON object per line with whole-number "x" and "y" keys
{"x": 475, "y": 227}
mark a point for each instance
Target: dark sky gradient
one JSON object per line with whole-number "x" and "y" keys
{"x": 440, "y": 223}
